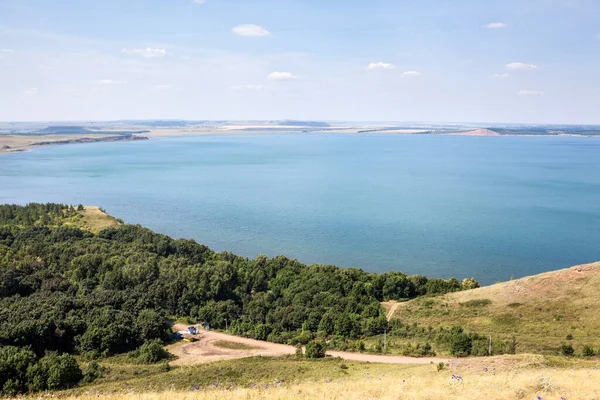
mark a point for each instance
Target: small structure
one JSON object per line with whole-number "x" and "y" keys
{"x": 192, "y": 330}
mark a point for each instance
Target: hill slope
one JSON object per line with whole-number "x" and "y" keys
{"x": 541, "y": 312}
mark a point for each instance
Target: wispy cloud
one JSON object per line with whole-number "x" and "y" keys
{"x": 30, "y": 91}
{"x": 598, "y": 35}
{"x": 199, "y": 1}
{"x": 250, "y": 30}
{"x": 521, "y": 66}
{"x": 110, "y": 82}
{"x": 501, "y": 76}
{"x": 7, "y": 51}
{"x": 533, "y": 93}
{"x": 281, "y": 76}
{"x": 409, "y": 74}
{"x": 246, "y": 87}
{"x": 380, "y": 66}
{"x": 495, "y": 25}
{"x": 148, "y": 52}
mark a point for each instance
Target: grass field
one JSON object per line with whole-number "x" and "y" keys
{"x": 541, "y": 312}
{"x": 504, "y": 377}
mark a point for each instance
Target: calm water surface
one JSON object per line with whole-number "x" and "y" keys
{"x": 488, "y": 207}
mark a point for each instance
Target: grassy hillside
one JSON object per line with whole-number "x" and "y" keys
{"x": 504, "y": 377}
{"x": 542, "y": 312}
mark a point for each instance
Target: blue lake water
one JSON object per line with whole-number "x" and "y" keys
{"x": 488, "y": 207}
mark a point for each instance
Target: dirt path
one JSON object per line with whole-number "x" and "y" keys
{"x": 393, "y": 306}
{"x": 205, "y": 351}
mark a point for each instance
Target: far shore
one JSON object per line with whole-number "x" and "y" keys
{"x": 10, "y": 143}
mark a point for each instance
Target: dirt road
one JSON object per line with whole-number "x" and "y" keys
{"x": 205, "y": 351}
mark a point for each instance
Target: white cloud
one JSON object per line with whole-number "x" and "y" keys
{"x": 7, "y": 51}
{"x": 495, "y": 25}
{"x": 199, "y": 1}
{"x": 531, "y": 93}
{"x": 598, "y": 35}
{"x": 521, "y": 66}
{"x": 110, "y": 82}
{"x": 250, "y": 30}
{"x": 379, "y": 65}
{"x": 411, "y": 73}
{"x": 501, "y": 76}
{"x": 148, "y": 52}
{"x": 30, "y": 91}
{"x": 247, "y": 87}
{"x": 281, "y": 76}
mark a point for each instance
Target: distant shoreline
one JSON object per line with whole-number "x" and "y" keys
{"x": 13, "y": 143}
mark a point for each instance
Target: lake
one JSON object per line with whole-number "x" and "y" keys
{"x": 488, "y": 207}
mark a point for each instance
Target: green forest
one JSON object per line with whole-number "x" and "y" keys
{"x": 66, "y": 291}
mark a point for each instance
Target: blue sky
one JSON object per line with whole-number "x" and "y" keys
{"x": 530, "y": 61}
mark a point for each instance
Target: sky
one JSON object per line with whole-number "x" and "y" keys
{"x": 512, "y": 61}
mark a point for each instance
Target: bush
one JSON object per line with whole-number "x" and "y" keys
{"x": 315, "y": 349}
{"x": 93, "y": 372}
{"x": 14, "y": 363}
{"x": 440, "y": 366}
{"x": 588, "y": 351}
{"x": 54, "y": 372}
{"x": 299, "y": 352}
{"x": 567, "y": 350}
{"x": 461, "y": 343}
{"x": 152, "y": 352}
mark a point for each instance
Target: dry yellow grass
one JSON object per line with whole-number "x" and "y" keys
{"x": 421, "y": 383}
{"x": 540, "y": 311}
{"x": 94, "y": 219}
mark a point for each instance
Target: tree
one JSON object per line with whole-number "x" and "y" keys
{"x": 469, "y": 283}
{"x": 315, "y": 349}
{"x": 151, "y": 325}
{"x": 327, "y": 325}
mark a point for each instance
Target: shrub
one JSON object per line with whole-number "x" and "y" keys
{"x": 440, "y": 366}
{"x": 152, "y": 352}
{"x": 567, "y": 350}
{"x": 54, "y": 372}
{"x": 14, "y": 363}
{"x": 93, "y": 372}
{"x": 299, "y": 352}
{"x": 461, "y": 343}
{"x": 588, "y": 351}
{"x": 360, "y": 345}
{"x": 315, "y": 349}
{"x": 477, "y": 303}
{"x": 569, "y": 337}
